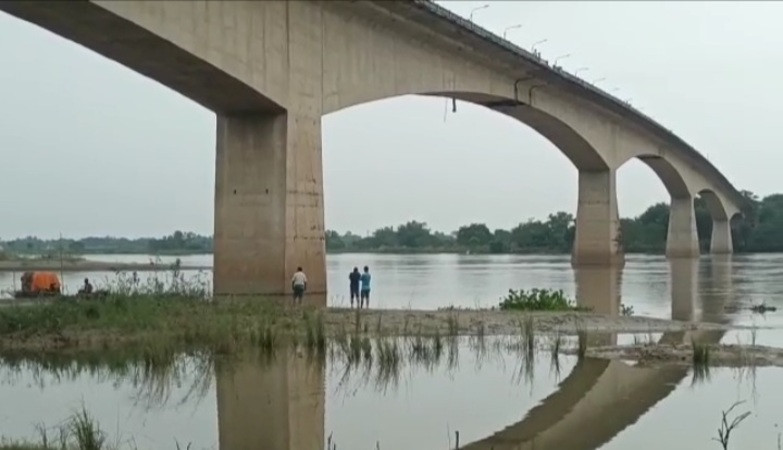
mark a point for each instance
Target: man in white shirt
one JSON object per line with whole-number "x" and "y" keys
{"x": 299, "y": 285}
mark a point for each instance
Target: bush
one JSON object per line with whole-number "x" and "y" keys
{"x": 537, "y": 300}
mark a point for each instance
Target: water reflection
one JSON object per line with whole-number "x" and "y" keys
{"x": 287, "y": 403}
{"x": 600, "y": 398}
{"x": 596, "y": 401}
{"x": 598, "y": 289}
{"x": 275, "y": 406}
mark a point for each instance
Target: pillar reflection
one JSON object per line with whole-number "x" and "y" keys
{"x": 271, "y": 404}
{"x": 598, "y": 289}
{"x": 683, "y": 283}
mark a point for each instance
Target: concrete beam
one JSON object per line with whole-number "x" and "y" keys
{"x": 142, "y": 50}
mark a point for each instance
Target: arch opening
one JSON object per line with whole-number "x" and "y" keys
{"x": 472, "y": 159}
{"x": 714, "y": 205}
{"x": 648, "y": 230}
{"x": 575, "y": 147}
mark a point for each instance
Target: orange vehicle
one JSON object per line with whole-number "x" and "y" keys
{"x": 36, "y": 284}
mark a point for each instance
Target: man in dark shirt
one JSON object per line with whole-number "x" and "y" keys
{"x": 355, "y": 276}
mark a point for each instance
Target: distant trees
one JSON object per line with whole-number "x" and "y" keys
{"x": 474, "y": 235}
{"x": 178, "y": 242}
{"x": 759, "y": 230}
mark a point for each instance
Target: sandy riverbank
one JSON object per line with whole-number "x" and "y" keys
{"x": 496, "y": 322}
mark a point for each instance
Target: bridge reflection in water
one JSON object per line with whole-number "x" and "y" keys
{"x": 281, "y": 406}
{"x": 271, "y": 406}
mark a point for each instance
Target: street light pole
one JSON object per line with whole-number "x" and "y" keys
{"x": 554, "y": 63}
{"x": 580, "y": 69}
{"x": 512, "y": 27}
{"x": 472, "y": 11}
{"x": 533, "y": 47}
{"x": 598, "y": 80}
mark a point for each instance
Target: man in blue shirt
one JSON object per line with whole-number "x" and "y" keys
{"x": 365, "y": 295}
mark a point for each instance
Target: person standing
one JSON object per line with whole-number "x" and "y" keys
{"x": 299, "y": 285}
{"x": 365, "y": 294}
{"x": 354, "y": 278}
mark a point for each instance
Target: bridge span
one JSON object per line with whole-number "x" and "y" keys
{"x": 270, "y": 70}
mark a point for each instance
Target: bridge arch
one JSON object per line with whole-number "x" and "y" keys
{"x": 715, "y": 205}
{"x": 582, "y": 154}
{"x": 671, "y": 178}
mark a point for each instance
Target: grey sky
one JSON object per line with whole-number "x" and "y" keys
{"x": 92, "y": 148}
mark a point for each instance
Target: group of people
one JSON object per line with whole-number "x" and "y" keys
{"x": 359, "y": 286}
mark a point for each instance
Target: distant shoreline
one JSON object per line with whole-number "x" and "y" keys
{"x": 22, "y": 265}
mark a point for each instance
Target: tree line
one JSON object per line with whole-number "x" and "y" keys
{"x": 759, "y": 230}
{"x": 177, "y": 243}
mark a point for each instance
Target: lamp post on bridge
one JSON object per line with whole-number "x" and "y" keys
{"x": 554, "y": 62}
{"x": 512, "y": 27}
{"x": 580, "y": 70}
{"x": 533, "y": 47}
{"x": 598, "y": 80}
{"x": 473, "y": 11}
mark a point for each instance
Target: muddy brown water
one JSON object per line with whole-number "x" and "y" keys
{"x": 494, "y": 399}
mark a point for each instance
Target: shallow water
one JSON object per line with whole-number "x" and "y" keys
{"x": 686, "y": 290}
{"x": 492, "y": 401}
{"x": 295, "y": 402}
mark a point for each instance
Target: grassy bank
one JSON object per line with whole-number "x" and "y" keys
{"x": 188, "y": 322}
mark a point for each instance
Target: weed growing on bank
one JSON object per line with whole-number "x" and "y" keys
{"x": 537, "y": 300}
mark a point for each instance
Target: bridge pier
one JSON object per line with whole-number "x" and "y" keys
{"x": 269, "y": 216}
{"x": 682, "y": 239}
{"x": 721, "y": 243}
{"x": 597, "y": 240}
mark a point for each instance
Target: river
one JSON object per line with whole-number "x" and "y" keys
{"x": 494, "y": 399}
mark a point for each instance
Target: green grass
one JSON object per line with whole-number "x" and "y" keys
{"x": 537, "y": 300}
{"x": 79, "y": 432}
{"x": 145, "y": 319}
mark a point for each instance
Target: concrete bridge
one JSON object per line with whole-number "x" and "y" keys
{"x": 270, "y": 70}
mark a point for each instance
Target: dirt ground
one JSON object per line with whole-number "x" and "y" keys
{"x": 495, "y": 322}
{"x": 719, "y": 355}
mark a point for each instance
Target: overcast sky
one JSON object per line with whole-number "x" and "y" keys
{"x": 91, "y": 148}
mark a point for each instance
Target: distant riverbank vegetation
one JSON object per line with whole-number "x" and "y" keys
{"x": 760, "y": 230}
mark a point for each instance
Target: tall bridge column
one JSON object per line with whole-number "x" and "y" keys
{"x": 269, "y": 215}
{"x": 682, "y": 239}
{"x": 597, "y": 240}
{"x": 721, "y": 242}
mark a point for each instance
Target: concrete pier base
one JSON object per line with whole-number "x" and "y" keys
{"x": 597, "y": 241}
{"x": 268, "y": 204}
{"x": 682, "y": 239}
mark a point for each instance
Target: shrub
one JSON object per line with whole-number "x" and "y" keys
{"x": 537, "y": 300}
